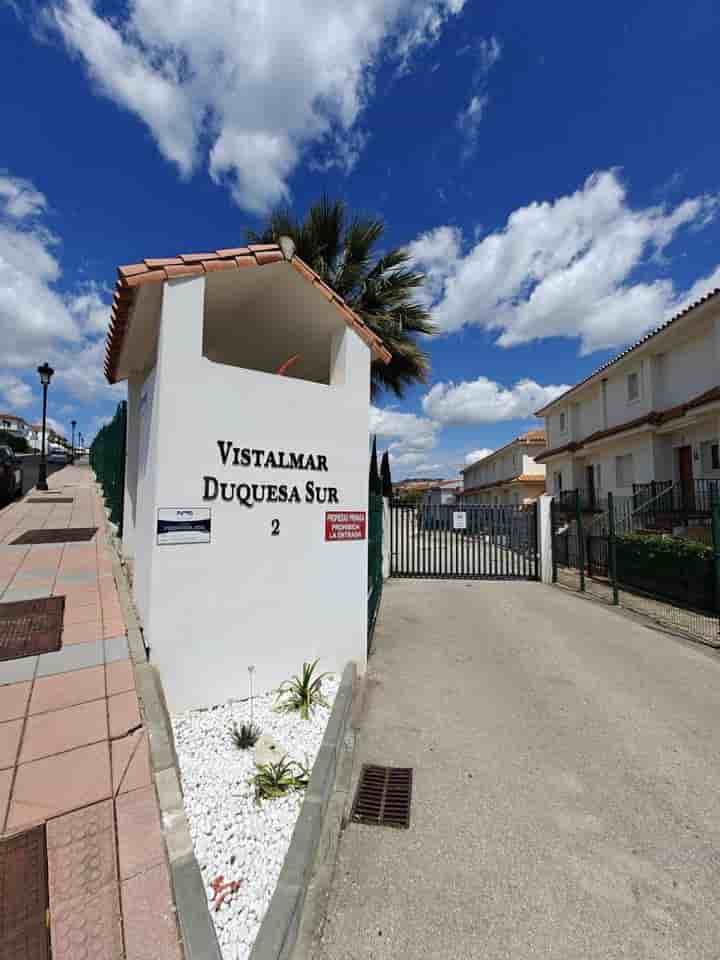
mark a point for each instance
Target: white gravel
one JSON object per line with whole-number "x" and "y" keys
{"x": 232, "y": 836}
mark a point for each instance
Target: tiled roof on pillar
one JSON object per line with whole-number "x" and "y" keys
{"x": 134, "y": 275}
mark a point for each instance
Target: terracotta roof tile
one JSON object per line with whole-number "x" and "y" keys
{"x": 536, "y": 435}
{"x": 158, "y": 270}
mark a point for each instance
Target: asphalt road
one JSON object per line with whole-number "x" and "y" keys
{"x": 566, "y": 795}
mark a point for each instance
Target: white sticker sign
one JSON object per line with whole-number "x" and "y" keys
{"x": 459, "y": 520}
{"x": 183, "y": 525}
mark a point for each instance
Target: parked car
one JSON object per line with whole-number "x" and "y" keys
{"x": 57, "y": 456}
{"x": 11, "y": 474}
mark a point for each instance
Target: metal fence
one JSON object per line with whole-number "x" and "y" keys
{"x": 107, "y": 458}
{"x": 615, "y": 549}
{"x": 375, "y": 572}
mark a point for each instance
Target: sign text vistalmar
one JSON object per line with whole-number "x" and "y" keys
{"x": 248, "y": 494}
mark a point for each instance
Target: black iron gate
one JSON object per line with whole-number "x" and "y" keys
{"x": 465, "y": 542}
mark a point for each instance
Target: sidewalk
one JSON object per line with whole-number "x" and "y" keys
{"x": 73, "y": 750}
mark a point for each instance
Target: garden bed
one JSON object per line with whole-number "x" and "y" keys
{"x": 234, "y": 837}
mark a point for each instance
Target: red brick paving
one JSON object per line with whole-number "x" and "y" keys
{"x": 69, "y": 760}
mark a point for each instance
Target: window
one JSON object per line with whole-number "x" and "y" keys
{"x": 598, "y": 478}
{"x": 633, "y": 387}
{"x": 709, "y": 455}
{"x": 624, "y": 471}
{"x": 563, "y": 421}
{"x": 557, "y": 481}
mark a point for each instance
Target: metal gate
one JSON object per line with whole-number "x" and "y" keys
{"x": 464, "y": 542}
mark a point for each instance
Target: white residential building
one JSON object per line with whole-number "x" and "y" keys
{"x": 444, "y": 493}
{"x": 15, "y": 425}
{"x": 510, "y": 475}
{"x": 650, "y": 414}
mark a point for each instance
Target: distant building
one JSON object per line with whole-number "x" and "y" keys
{"x": 414, "y": 485}
{"x": 509, "y": 476}
{"x": 442, "y": 493}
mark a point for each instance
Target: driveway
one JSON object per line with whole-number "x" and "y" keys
{"x": 566, "y": 796}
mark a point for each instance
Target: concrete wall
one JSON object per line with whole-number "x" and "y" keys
{"x": 248, "y": 597}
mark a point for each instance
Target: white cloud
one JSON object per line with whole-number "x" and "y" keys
{"x": 435, "y": 252}
{"x": 565, "y": 268}
{"x": 15, "y": 393}
{"x": 488, "y": 51}
{"x": 19, "y": 198}
{"x": 38, "y": 321}
{"x": 485, "y": 401}
{"x": 476, "y": 455}
{"x": 261, "y": 83}
{"x": 469, "y": 119}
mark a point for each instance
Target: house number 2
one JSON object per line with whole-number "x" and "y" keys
{"x": 275, "y": 529}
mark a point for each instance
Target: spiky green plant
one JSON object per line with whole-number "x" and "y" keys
{"x": 277, "y": 779}
{"x": 302, "y": 693}
{"x": 246, "y": 735}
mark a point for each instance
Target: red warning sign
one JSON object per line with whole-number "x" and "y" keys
{"x": 348, "y": 525}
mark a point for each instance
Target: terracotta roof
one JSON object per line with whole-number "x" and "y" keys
{"x": 530, "y": 436}
{"x": 634, "y": 346}
{"x": 655, "y": 418}
{"x": 133, "y": 275}
{"x": 11, "y": 416}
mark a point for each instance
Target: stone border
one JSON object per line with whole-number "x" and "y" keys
{"x": 279, "y": 928}
{"x": 198, "y": 937}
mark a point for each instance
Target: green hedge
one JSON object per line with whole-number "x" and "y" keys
{"x": 677, "y": 570}
{"x": 16, "y": 444}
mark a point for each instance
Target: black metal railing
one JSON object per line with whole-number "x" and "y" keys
{"x": 681, "y": 499}
{"x": 584, "y": 498}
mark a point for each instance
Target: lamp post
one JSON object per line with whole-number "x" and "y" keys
{"x": 73, "y": 424}
{"x": 46, "y": 372}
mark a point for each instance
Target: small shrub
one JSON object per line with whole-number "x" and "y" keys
{"x": 302, "y": 693}
{"x": 246, "y": 735}
{"x": 277, "y": 779}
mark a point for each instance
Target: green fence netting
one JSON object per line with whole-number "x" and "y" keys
{"x": 107, "y": 458}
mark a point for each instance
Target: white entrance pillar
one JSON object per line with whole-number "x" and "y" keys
{"x": 544, "y": 536}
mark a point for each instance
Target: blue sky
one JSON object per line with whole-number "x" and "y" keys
{"x": 555, "y": 170}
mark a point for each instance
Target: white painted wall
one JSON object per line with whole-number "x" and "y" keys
{"x": 211, "y": 610}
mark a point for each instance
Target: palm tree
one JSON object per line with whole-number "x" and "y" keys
{"x": 379, "y": 288}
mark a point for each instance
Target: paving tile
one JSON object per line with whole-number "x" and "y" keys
{"x": 82, "y": 632}
{"x": 14, "y": 671}
{"x": 66, "y": 689}
{"x": 131, "y": 763}
{"x": 9, "y": 739}
{"x": 120, "y": 677}
{"x": 82, "y": 855}
{"x": 45, "y": 788}
{"x": 76, "y": 578}
{"x": 149, "y": 917}
{"x": 5, "y": 784}
{"x": 26, "y": 593}
{"x": 116, "y": 648}
{"x": 88, "y": 928}
{"x": 66, "y": 729}
{"x": 85, "y": 614}
{"x": 113, "y": 627}
{"x": 124, "y": 713}
{"x": 140, "y": 844}
{"x": 13, "y": 700}
{"x": 75, "y": 657}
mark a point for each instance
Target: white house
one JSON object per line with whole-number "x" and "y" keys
{"x": 650, "y": 414}
{"x": 510, "y": 475}
{"x": 15, "y": 425}
{"x": 247, "y": 467}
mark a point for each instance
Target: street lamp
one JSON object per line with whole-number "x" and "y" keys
{"x": 46, "y": 372}
{"x": 73, "y": 424}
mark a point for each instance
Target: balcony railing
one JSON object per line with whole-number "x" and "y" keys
{"x": 680, "y": 500}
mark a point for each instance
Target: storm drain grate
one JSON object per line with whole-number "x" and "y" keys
{"x": 52, "y": 500}
{"x": 29, "y": 627}
{"x": 67, "y": 535}
{"x": 383, "y": 796}
{"x": 24, "y": 896}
